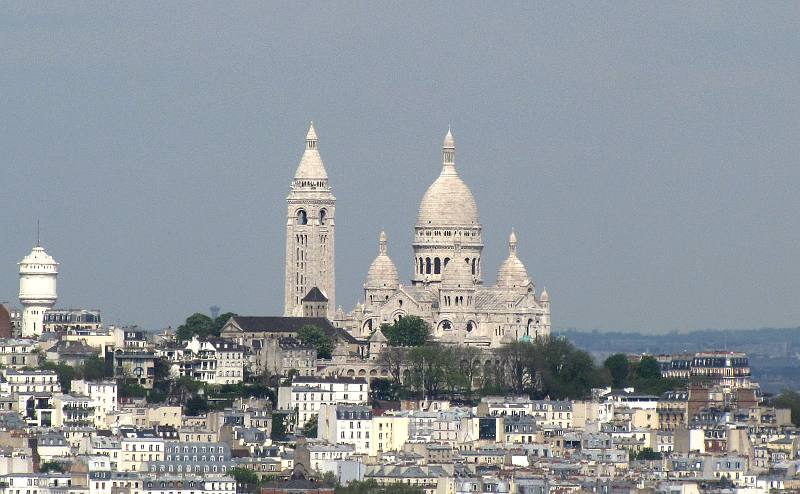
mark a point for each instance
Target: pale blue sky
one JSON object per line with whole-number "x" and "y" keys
{"x": 647, "y": 153}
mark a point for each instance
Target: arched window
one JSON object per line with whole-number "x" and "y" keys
{"x": 302, "y": 217}
{"x": 473, "y": 265}
{"x": 427, "y": 265}
{"x": 437, "y": 266}
{"x": 446, "y": 260}
{"x": 323, "y": 214}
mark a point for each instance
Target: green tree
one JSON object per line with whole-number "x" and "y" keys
{"x": 52, "y": 466}
{"x": 648, "y": 454}
{"x": 197, "y": 324}
{"x": 196, "y": 405}
{"x": 244, "y": 477}
{"x": 372, "y": 487}
{"x": 619, "y": 368}
{"x": 381, "y": 389}
{"x": 279, "y": 426}
{"x": 130, "y": 390}
{"x": 648, "y": 368}
{"x": 316, "y": 337}
{"x": 791, "y": 400}
{"x": 330, "y": 478}
{"x": 407, "y": 331}
{"x": 94, "y": 369}
{"x": 66, "y": 373}
{"x": 310, "y": 427}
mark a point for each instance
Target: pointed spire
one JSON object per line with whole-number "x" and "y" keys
{"x": 38, "y": 238}
{"x": 311, "y": 137}
{"x": 544, "y": 297}
{"x": 512, "y": 243}
{"x": 449, "y": 149}
{"x": 382, "y": 243}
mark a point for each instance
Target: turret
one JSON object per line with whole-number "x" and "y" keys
{"x": 37, "y": 289}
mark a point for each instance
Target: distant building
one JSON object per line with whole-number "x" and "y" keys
{"x": 62, "y": 320}
{"x": 307, "y": 394}
{"x": 37, "y": 289}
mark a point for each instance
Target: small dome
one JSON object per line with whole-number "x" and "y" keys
{"x": 311, "y": 166}
{"x": 382, "y": 272}
{"x": 457, "y": 274}
{"x": 448, "y": 201}
{"x": 512, "y": 272}
{"x": 544, "y": 297}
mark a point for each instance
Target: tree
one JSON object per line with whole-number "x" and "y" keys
{"x": 407, "y": 331}
{"x": 619, "y": 368}
{"x": 330, "y": 478}
{"x": 382, "y": 389}
{"x": 648, "y": 368}
{"x": 469, "y": 364}
{"x": 52, "y": 466}
{"x": 791, "y": 400}
{"x": 310, "y": 428}
{"x": 395, "y": 359}
{"x": 648, "y": 454}
{"x": 196, "y": 405}
{"x": 372, "y": 487}
{"x": 243, "y": 476}
{"x": 66, "y": 373}
{"x": 197, "y": 324}
{"x": 316, "y": 337}
{"x": 94, "y": 369}
{"x": 279, "y": 426}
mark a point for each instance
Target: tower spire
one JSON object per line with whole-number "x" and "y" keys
{"x": 311, "y": 137}
{"x": 382, "y": 249}
{"x": 38, "y": 238}
{"x": 449, "y": 149}
{"x": 512, "y": 242}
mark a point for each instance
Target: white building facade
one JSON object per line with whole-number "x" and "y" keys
{"x": 37, "y": 289}
{"x": 446, "y": 288}
{"x": 310, "y": 253}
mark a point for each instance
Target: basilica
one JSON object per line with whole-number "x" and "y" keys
{"x": 446, "y": 288}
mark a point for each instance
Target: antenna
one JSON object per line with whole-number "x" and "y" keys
{"x": 38, "y": 243}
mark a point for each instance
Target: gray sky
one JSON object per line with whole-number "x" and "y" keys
{"x": 646, "y": 153}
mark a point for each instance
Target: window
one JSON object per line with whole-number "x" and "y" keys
{"x": 302, "y": 217}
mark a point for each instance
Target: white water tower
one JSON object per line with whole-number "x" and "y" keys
{"x": 37, "y": 289}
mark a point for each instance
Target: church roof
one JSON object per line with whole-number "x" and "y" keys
{"x": 276, "y": 324}
{"x": 315, "y": 295}
{"x": 311, "y": 166}
{"x": 448, "y": 201}
{"x": 378, "y": 337}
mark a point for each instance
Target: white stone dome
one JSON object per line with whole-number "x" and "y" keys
{"x": 382, "y": 272}
{"x": 512, "y": 272}
{"x": 448, "y": 201}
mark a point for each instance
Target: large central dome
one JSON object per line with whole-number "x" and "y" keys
{"x": 448, "y": 201}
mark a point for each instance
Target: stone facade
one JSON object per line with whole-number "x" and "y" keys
{"x": 446, "y": 288}
{"x": 310, "y": 254}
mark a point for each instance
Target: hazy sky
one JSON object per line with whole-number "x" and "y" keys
{"x": 647, "y": 153}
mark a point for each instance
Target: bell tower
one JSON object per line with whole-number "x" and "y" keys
{"x": 310, "y": 253}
